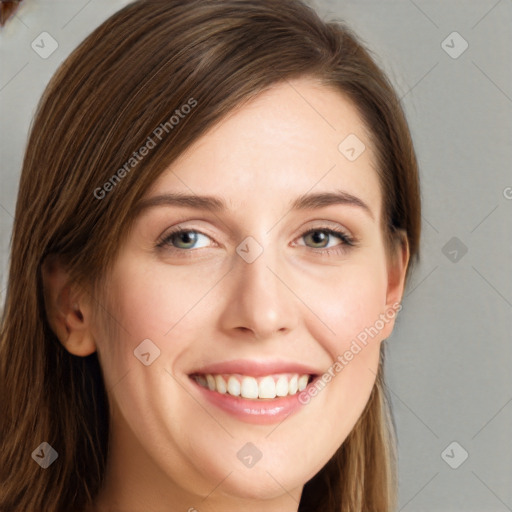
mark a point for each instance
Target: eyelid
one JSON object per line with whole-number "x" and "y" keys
{"x": 320, "y": 225}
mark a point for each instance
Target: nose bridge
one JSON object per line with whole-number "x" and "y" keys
{"x": 259, "y": 301}
{"x": 254, "y": 264}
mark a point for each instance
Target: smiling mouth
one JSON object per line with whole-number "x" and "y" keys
{"x": 266, "y": 387}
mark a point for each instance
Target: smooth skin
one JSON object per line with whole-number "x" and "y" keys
{"x": 200, "y": 302}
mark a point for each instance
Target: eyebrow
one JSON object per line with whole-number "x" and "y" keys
{"x": 216, "y": 204}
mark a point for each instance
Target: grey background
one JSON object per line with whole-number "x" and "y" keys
{"x": 449, "y": 357}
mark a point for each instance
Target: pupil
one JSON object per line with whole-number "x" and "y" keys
{"x": 319, "y": 234}
{"x": 186, "y": 238}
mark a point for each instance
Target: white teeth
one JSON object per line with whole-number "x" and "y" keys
{"x": 293, "y": 385}
{"x": 282, "y": 386}
{"x": 220, "y": 384}
{"x": 303, "y": 382}
{"x": 268, "y": 387}
{"x": 249, "y": 388}
{"x": 211, "y": 382}
{"x": 233, "y": 386}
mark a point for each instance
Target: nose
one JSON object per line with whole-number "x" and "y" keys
{"x": 260, "y": 302}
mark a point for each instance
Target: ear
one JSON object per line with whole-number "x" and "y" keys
{"x": 396, "y": 268}
{"x": 67, "y": 308}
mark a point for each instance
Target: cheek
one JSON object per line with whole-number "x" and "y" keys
{"x": 151, "y": 304}
{"x": 348, "y": 303}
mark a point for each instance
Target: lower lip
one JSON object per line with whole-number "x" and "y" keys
{"x": 261, "y": 412}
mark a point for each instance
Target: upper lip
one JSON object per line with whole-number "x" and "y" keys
{"x": 256, "y": 368}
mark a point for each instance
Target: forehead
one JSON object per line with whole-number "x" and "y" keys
{"x": 287, "y": 141}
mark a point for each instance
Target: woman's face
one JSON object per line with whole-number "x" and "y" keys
{"x": 248, "y": 296}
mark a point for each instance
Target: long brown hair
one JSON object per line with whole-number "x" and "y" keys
{"x": 125, "y": 79}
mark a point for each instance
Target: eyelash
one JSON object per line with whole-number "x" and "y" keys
{"x": 347, "y": 241}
